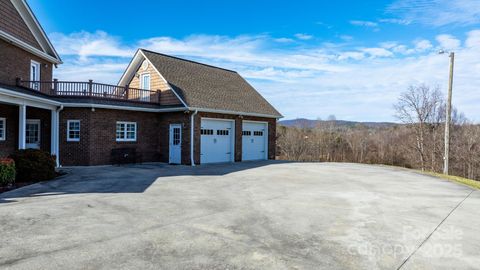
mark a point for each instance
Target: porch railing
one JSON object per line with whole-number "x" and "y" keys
{"x": 91, "y": 89}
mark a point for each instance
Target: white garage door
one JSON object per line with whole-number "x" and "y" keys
{"x": 254, "y": 141}
{"x": 216, "y": 141}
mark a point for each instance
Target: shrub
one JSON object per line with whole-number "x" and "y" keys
{"x": 7, "y": 171}
{"x": 34, "y": 165}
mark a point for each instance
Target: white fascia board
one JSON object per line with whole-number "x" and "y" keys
{"x": 131, "y": 68}
{"x": 35, "y": 28}
{"x": 17, "y": 98}
{"x": 9, "y": 38}
{"x": 234, "y": 112}
{"x": 118, "y": 107}
{"x": 163, "y": 78}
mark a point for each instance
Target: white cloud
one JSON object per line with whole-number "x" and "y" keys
{"x": 377, "y": 52}
{"x": 351, "y": 55}
{"x": 437, "y": 12}
{"x": 85, "y": 44}
{"x": 395, "y": 21}
{"x": 364, "y": 23}
{"x": 473, "y": 39}
{"x": 448, "y": 42}
{"x": 303, "y": 36}
{"x": 422, "y": 45}
{"x": 352, "y": 83}
{"x": 346, "y": 37}
{"x": 283, "y": 40}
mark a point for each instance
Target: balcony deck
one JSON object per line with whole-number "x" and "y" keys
{"x": 92, "y": 89}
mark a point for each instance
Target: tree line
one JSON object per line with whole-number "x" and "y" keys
{"x": 417, "y": 142}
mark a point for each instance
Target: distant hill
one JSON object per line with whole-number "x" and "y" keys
{"x": 307, "y": 123}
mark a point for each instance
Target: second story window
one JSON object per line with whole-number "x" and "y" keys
{"x": 145, "y": 81}
{"x": 35, "y": 75}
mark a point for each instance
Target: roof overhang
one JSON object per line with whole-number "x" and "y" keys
{"x": 129, "y": 72}
{"x": 32, "y": 23}
{"x": 235, "y": 113}
{"x": 14, "y": 97}
{"x": 133, "y": 66}
{"x": 119, "y": 107}
{"x": 27, "y": 47}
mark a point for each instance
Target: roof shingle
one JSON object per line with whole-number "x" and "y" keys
{"x": 208, "y": 87}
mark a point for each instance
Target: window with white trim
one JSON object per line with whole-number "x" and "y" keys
{"x": 145, "y": 87}
{"x": 3, "y": 129}
{"x": 34, "y": 75}
{"x": 145, "y": 81}
{"x": 126, "y": 131}
{"x": 73, "y": 130}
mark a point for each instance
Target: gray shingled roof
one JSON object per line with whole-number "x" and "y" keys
{"x": 209, "y": 87}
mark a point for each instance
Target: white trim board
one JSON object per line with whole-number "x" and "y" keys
{"x": 135, "y": 63}
{"x": 9, "y": 38}
{"x": 35, "y": 28}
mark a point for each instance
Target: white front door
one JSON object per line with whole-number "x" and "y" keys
{"x": 175, "y": 144}
{"x": 216, "y": 141}
{"x": 254, "y": 140}
{"x": 32, "y": 134}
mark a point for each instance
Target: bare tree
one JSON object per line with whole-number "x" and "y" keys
{"x": 417, "y": 107}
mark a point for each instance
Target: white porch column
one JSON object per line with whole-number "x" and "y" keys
{"x": 22, "y": 122}
{"x": 54, "y": 137}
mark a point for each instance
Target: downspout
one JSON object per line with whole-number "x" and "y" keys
{"x": 57, "y": 135}
{"x": 192, "y": 137}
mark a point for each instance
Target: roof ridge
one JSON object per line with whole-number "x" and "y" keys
{"x": 187, "y": 60}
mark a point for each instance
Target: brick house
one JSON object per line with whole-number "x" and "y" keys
{"x": 163, "y": 108}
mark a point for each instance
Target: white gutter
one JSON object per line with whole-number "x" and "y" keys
{"x": 192, "y": 137}
{"x": 119, "y": 107}
{"x": 11, "y": 39}
{"x": 57, "y": 135}
{"x": 15, "y": 94}
{"x": 234, "y": 112}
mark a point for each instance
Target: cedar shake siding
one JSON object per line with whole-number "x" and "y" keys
{"x": 16, "y": 63}
{"x": 156, "y": 84}
{"x": 12, "y": 23}
{"x": 209, "y": 87}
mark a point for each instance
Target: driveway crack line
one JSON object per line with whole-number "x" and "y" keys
{"x": 439, "y": 224}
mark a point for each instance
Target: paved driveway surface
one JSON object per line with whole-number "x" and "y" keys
{"x": 265, "y": 215}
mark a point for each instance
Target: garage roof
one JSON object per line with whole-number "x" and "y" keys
{"x": 207, "y": 87}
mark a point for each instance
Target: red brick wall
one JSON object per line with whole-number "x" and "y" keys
{"x": 45, "y": 117}
{"x": 15, "y": 62}
{"x": 11, "y": 113}
{"x": 11, "y": 141}
{"x": 97, "y": 137}
{"x": 165, "y": 119}
{"x": 238, "y": 133}
{"x": 12, "y": 23}
{"x": 75, "y": 153}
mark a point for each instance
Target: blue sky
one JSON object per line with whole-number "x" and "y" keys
{"x": 309, "y": 58}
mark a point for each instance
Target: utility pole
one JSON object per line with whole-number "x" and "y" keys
{"x": 448, "y": 115}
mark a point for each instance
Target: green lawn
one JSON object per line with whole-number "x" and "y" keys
{"x": 458, "y": 179}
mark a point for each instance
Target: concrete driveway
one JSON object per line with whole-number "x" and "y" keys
{"x": 265, "y": 215}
